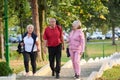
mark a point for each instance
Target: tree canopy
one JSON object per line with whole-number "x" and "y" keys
{"x": 92, "y": 13}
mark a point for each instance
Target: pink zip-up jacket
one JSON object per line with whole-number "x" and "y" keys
{"x": 76, "y": 40}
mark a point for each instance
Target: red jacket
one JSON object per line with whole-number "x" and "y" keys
{"x": 53, "y": 36}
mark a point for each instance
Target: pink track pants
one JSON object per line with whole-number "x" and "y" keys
{"x": 75, "y": 57}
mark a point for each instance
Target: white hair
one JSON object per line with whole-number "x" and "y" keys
{"x": 77, "y": 23}
{"x": 30, "y": 25}
{"x": 52, "y": 19}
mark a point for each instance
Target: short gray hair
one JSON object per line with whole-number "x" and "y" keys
{"x": 52, "y": 19}
{"x": 30, "y": 25}
{"x": 77, "y": 22}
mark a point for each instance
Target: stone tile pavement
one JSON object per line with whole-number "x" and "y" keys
{"x": 67, "y": 71}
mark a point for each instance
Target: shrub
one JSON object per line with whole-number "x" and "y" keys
{"x": 5, "y": 70}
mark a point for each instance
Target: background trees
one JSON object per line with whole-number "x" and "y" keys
{"x": 93, "y": 14}
{"x": 113, "y": 16}
{"x": 1, "y": 31}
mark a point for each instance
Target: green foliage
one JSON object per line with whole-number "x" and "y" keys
{"x": 1, "y": 8}
{"x": 5, "y": 70}
{"x": 114, "y": 12}
{"x": 90, "y": 12}
{"x": 14, "y": 54}
{"x": 111, "y": 74}
{"x": 19, "y": 12}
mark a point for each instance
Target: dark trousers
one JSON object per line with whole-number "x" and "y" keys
{"x": 26, "y": 57}
{"x": 55, "y": 53}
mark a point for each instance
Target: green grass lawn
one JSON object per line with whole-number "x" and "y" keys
{"x": 111, "y": 74}
{"x": 96, "y": 49}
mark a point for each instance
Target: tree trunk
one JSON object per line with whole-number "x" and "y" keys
{"x": 1, "y": 41}
{"x": 113, "y": 35}
{"x": 42, "y": 4}
{"x": 35, "y": 18}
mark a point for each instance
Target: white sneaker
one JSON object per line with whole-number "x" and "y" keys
{"x": 78, "y": 79}
{"x": 27, "y": 74}
{"x": 34, "y": 74}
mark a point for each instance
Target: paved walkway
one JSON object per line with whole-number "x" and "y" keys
{"x": 67, "y": 71}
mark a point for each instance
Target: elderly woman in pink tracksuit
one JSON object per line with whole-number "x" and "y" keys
{"x": 76, "y": 42}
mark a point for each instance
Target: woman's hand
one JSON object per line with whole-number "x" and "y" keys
{"x": 21, "y": 43}
{"x": 81, "y": 53}
{"x": 45, "y": 46}
{"x": 45, "y": 50}
{"x": 38, "y": 49}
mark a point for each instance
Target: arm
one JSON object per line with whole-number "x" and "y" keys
{"x": 38, "y": 44}
{"x": 68, "y": 38}
{"x": 22, "y": 42}
{"x": 62, "y": 40}
{"x": 45, "y": 41}
{"x": 61, "y": 36}
{"x": 82, "y": 42}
